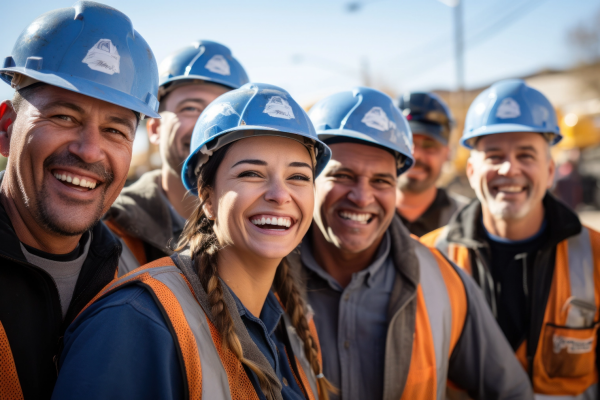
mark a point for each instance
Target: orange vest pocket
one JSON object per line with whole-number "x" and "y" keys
{"x": 569, "y": 352}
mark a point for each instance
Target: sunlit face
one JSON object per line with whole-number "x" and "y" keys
{"x": 263, "y": 197}
{"x": 68, "y": 158}
{"x": 510, "y": 173}
{"x": 181, "y": 109}
{"x": 356, "y": 195}
{"x": 430, "y": 156}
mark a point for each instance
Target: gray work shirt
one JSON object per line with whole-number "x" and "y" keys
{"x": 352, "y": 322}
{"x": 64, "y": 273}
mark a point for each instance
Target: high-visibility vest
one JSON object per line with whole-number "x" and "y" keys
{"x": 440, "y": 317}
{"x": 564, "y": 364}
{"x": 223, "y": 375}
{"x": 10, "y": 386}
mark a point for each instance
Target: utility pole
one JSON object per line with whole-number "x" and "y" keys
{"x": 459, "y": 52}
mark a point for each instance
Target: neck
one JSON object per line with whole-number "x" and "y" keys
{"x": 176, "y": 193}
{"x": 514, "y": 229}
{"x": 412, "y": 205}
{"x": 27, "y": 229}
{"x": 250, "y": 277}
{"x": 338, "y": 263}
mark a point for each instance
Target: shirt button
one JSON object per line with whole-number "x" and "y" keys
{"x": 285, "y": 382}
{"x": 347, "y": 344}
{"x": 346, "y": 296}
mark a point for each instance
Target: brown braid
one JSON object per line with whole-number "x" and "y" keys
{"x": 198, "y": 233}
{"x": 286, "y": 288}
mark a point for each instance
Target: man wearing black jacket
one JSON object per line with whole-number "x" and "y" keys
{"x": 537, "y": 266}
{"x": 83, "y": 79}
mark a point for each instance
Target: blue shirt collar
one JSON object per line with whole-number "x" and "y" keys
{"x": 499, "y": 239}
{"x": 366, "y": 275}
{"x": 269, "y": 315}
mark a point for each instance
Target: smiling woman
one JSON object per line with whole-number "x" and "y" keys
{"x": 229, "y": 303}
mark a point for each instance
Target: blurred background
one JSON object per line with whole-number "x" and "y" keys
{"x": 455, "y": 48}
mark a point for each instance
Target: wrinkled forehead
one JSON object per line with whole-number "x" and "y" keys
{"x": 362, "y": 159}
{"x": 513, "y": 141}
{"x": 47, "y": 97}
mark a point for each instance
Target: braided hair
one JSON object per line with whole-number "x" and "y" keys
{"x": 199, "y": 235}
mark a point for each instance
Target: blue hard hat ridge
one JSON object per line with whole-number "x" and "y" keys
{"x": 204, "y": 60}
{"x": 91, "y": 49}
{"x": 255, "y": 109}
{"x": 510, "y": 106}
{"x": 368, "y": 115}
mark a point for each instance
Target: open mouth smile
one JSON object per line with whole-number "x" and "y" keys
{"x": 361, "y": 218}
{"x": 75, "y": 181}
{"x": 272, "y": 222}
{"x": 509, "y": 189}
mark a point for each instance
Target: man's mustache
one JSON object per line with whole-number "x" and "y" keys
{"x": 71, "y": 160}
{"x": 423, "y": 166}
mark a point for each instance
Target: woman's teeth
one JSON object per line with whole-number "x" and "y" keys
{"x": 75, "y": 180}
{"x": 361, "y": 218}
{"x": 278, "y": 221}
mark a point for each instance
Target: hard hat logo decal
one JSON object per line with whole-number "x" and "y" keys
{"x": 509, "y": 108}
{"x": 224, "y": 109}
{"x": 218, "y": 64}
{"x": 376, "y": 118}
{"x": 278, "y": 107}
{"x": 103, "y": 57}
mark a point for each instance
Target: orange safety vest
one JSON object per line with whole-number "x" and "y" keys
{"x": 564, "y": 363}
{"x": 440, "y": 317}
{"x": 10, "y": 386}
{"x": 199, "y": 341}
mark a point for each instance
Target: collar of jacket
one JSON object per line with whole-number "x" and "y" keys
{"x": 184, "y": 262}
{"x": 141, "y": 211}
{"x": 465, "y": 227}
{"x": 402, "y": 307}
{"x": 98, "y": 268}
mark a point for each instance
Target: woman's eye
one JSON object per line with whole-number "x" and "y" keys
{"x": 300, "y": 178}
{"x": 249, "y": 174}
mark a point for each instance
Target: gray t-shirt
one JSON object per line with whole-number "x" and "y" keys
{"x": 64, "y": 273}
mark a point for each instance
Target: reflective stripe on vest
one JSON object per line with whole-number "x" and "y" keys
{"x": 564, "y": 364}
{"x": 440, "y": 317}
{"x": 10, "y": 386}
{"x": 225, "y": 377}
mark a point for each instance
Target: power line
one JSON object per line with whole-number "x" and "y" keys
{"x": 475, "y": 39}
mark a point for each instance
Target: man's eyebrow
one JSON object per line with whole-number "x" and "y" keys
{"x": 250, "y": 161}
{"x": 199, "y": 101}
{"x": 386, "y": 175}
{"x": 65, "y": 104}
{"x": 527, "y": 147}
{"x": 122, "y": 121}
{"x": 300, "y": 164}
{"x": 341, "y": 169}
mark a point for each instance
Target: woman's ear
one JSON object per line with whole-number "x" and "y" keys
{"x": 206, "y": 197}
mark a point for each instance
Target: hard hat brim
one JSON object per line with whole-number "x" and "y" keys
{"x": 506, "y": 128}
{"x": 335, "y": 133}
{"x": 90, "y": 89}
{"x": 187, "y": 172}
{"x": 199, "y": 77}
{"x": 430, "y": 130}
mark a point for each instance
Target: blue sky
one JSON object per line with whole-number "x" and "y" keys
{"x": 314, "y": 48}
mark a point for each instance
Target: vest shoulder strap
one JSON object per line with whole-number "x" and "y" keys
{"x": 445, "y": 301}
{"x": 583, "y": 300}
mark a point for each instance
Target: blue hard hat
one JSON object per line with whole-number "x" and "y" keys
{"x": 203, "y": 60}
{"x": 510, "y": 106}
{"x": 255, "y": 109}
{"x": 368, "y": 115}
{"x": 427, "y": 114}
{"x": 91, "y": 49}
